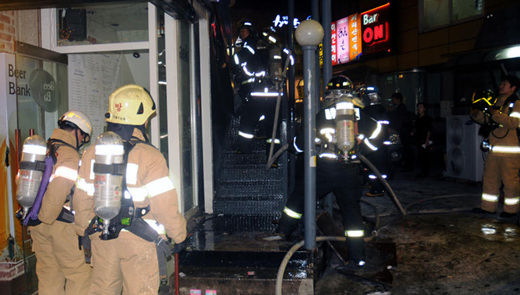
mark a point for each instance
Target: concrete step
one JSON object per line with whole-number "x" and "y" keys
{"x": 247, "y": 267}
{"x": 240, "y": 280}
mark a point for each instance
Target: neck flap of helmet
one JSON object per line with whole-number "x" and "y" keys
{"x": 126, "y": 131}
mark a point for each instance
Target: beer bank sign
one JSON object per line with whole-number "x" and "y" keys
{"x": 361, "y": 33}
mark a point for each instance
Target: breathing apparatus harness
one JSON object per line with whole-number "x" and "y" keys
{"x": 338, "y": 130}
{"x": 127, "y": 214}
{"x": 489, "y": 126}
{"x": 46, "y": 167}
{"x": 129, "y": 217}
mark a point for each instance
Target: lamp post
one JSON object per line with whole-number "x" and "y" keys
{"x": 309, "y": 34}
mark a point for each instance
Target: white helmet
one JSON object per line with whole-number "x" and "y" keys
{"x": 79, "y": 120}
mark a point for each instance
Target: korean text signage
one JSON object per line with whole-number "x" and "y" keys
{"x": 376, "y": 29}
{"x": 365, "y": 33}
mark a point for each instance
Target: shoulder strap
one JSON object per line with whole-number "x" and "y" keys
{"x": 53, "y": 145}
{"x": 126, "y": 214}
{"x": 511, "y": 99}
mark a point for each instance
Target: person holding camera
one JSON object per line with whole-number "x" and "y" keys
{"x": 500, "y": 120}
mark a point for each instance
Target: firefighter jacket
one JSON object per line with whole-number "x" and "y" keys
{"x": 367, "y": 132}
{"x": 65, "y": 174}
{"x": 503, "y": 139}
{"x": 248, "y": 63}
{"x": 148, "y": 181}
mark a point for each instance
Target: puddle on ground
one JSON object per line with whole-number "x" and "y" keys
{"x": 499, "y": 232}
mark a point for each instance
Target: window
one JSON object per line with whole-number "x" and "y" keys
{"x": 442, "y": 13}
{"x": 102, "y": 24}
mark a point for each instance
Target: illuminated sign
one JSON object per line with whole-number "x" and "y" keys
{"x": 280, "y": 21}
{"x": 354, "y": 26}
{"x": 365, "y": 33}
{"x": 375, "y": 29}
{"x": 333, "y": 44}
{"x": 342, "y": 43}
{"x": 345, "y": 39}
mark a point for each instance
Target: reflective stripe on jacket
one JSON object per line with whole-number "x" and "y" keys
{"x": 149, "y": 183}
{"x": 64, "y": 176}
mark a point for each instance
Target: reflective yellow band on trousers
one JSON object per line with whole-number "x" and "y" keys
{"x": 489, "y": 198}
{"x": 355, "y": 233}
{"x": 511, "y": 201}
{"x": 292, "y": 213}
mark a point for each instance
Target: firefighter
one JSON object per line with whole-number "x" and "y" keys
{"x": 60, "y": 264}
{"x": 501, "y": 121}
{"x": 246, "y": 60}
{"x": 380, "y": 158}
{"x": 258, "y": 113}
{"x": 338, "y": 166}
{"x": 127, "y": 261}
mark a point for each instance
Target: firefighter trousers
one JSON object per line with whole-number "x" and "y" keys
{"x": 498, "y": 171}
{"x": 127, "y": 263}
{"x": 60, "y": 264}
{"x": 345, "y": 182}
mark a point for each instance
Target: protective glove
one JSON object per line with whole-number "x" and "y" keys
{"x": 179, "y": 247}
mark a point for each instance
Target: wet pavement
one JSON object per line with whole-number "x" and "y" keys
{"x": 439, "y": 247}
{"x": 425, "y": 241}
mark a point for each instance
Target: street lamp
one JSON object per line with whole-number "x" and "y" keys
{"x": 309, "y": 34}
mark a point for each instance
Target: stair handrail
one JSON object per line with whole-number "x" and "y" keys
{"x": 271, "y": 159}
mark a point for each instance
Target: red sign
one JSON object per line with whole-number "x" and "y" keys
{"x": 333, "y": 42}
{"x": 375, "y": 26}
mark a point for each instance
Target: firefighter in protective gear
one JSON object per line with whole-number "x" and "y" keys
{"x": 60, "y": 266}
{"x": 246, "y": 61}
{"x": 337, "y": 170}
{"x": 380, "y": 158}
{"x": 503, "y": 159}
{"x": 129, "y": 262}
{"x": 258, "y": 112}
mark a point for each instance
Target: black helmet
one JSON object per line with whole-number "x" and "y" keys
{"x": 483, "y": 99}
{"x": 370, "y": 95}
{"x": 340, "y": 82}
{"x": 247, "y": 25}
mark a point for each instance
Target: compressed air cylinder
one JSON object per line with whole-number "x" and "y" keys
{"x": 345, "y": 125}
{"x": 31, "y": 170}
{"x": 108, "y": 181}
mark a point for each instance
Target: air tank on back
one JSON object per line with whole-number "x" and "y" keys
{"x": 30, "y": 172}
{"x": 108, "y": 181}
{"x": 345, "y": 123}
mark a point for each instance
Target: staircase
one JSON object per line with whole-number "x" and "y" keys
{"x": 226, "y": 253}
{"x": 249, "y": 198}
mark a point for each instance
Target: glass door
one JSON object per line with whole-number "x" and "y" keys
{"x": 182, "y": 109}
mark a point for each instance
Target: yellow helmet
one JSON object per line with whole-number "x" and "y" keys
{"x": 130, "y": 105}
